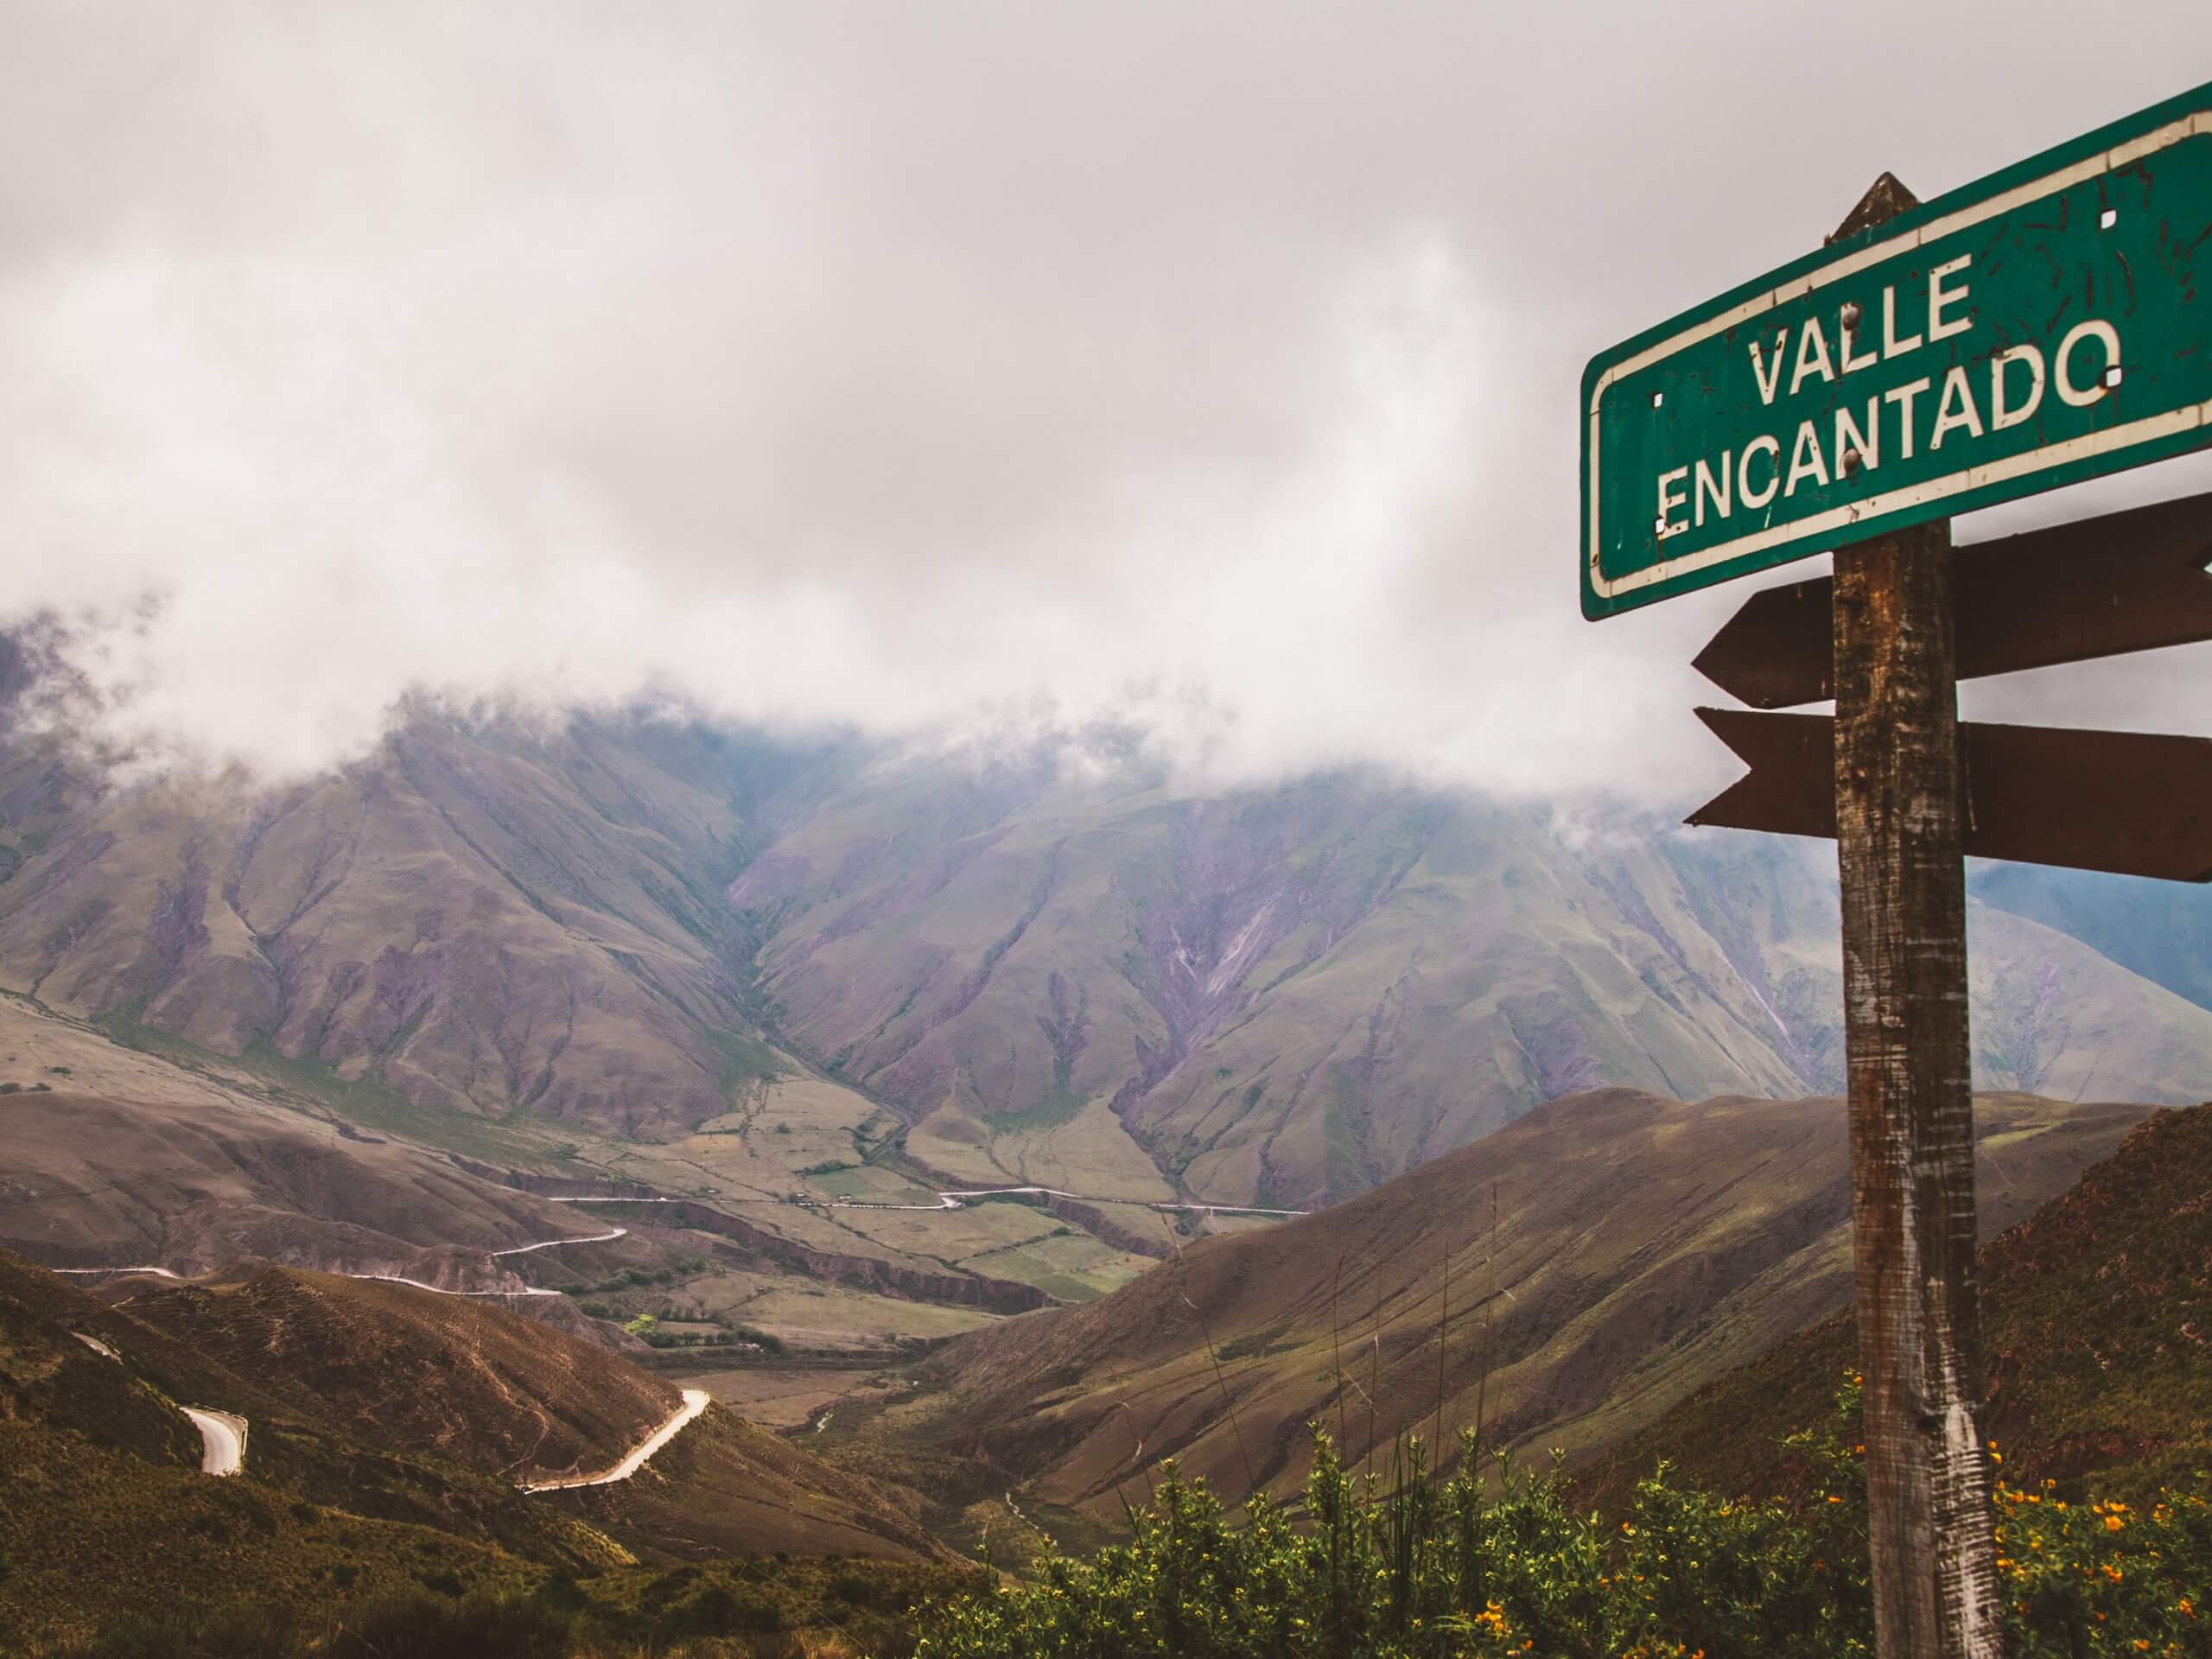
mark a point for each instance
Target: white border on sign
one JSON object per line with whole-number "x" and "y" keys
{"x": 1973, "y": 478}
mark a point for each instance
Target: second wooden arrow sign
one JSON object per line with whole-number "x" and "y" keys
{"x": 2128, "y": 582}
{"x": 2126, "y": 802}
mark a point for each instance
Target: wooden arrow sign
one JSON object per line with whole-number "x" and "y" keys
{"x": 2131, "y": 580}
{"x": 2127, "y": 802}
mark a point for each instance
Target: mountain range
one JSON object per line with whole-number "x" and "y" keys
{"x": 1004, "y": 1125}
{"x": 507, "y": 939}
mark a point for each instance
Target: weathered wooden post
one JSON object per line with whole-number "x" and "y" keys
{"x": 2027, "y": 332}
{"x": 1900, "y": 854}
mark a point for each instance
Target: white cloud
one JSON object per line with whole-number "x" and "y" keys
{"x": 1205, "y": 369}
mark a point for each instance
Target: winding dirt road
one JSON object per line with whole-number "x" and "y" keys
{"x": 955, "y": 1199}
{"x": 222, "y": 1436}
{"x": 695, "y": 1402}
{"x": 223, "y": 1433}
{"x": 402, "y": 1279}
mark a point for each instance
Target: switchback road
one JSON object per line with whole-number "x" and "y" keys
{"x": 695, "y": 1402}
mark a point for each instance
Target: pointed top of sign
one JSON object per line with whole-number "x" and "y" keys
{"x": 1884, "y": 199}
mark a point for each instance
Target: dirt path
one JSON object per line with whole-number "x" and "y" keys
{"x": 222, "y": 1436}
{"x": 956, "y": 1199}
{"x": 547, "y": 1244}
{"x": 695, "y": 1402}
{"x": 402, "y": 1279}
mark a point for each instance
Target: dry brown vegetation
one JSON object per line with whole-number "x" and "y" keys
{"x": 1608, "y": 1253}
{"x": 446, "y": 1374}
{"x": 133, "y": 1158}
{"x": 2095, "y": 1316}
{"x": 385, "y": 1427}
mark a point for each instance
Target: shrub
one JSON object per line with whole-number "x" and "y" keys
{"x": 1413, "y": 1566}
{"x": 2104, "y": 1577}
{"x": 416, "y": 1626}
{"x": 719, "y": 1610}
{"x": 140, "y": 1638}
{"x": 256, "y": 1630}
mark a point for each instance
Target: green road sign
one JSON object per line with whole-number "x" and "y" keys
{"x": 2048, "y": 324}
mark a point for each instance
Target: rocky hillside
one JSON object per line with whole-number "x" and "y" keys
{"x": 1563, "y": 1281}
{"x": 1083, "y": 980}
{"x": 478, "y": 923}
{"x": 1284, "y": 997}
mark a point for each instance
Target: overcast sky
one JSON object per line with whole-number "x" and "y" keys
{"x": 936, "y": 368}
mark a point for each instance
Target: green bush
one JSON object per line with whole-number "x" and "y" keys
{"x": 1407, "y": 1565}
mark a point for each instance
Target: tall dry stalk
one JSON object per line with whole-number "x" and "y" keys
{"x": 1374, "y": 1375}
{"x": 1120, "y": 1388}
{"x": 1443, "y": 1338}
{"x": 1213, "y": 1354}
{"x": 1489, "y": 1316}
{"x": 1337, "y": 1346}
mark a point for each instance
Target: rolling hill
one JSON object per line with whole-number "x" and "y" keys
{"x": 480, "y": 922}
{"x": 452, "y": 1377}
{"x": 1607, "y": 1254}
{"x": 387, "y": 1426}
{"x": 2094, "y": 1325}
{"x": 118, "y": 1158}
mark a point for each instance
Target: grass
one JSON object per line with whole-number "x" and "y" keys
{"x": 745, "y": 1058}
{"x": 745, "y": 1609}
{"x": 1051, "y": 1111}
{"x": 1260, "y": 1344}
{"x": 366, "y": 1102}
{"x": 1080, "y": 1146}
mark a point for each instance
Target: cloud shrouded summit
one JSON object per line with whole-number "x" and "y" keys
{"x": 1206, "y": 370}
